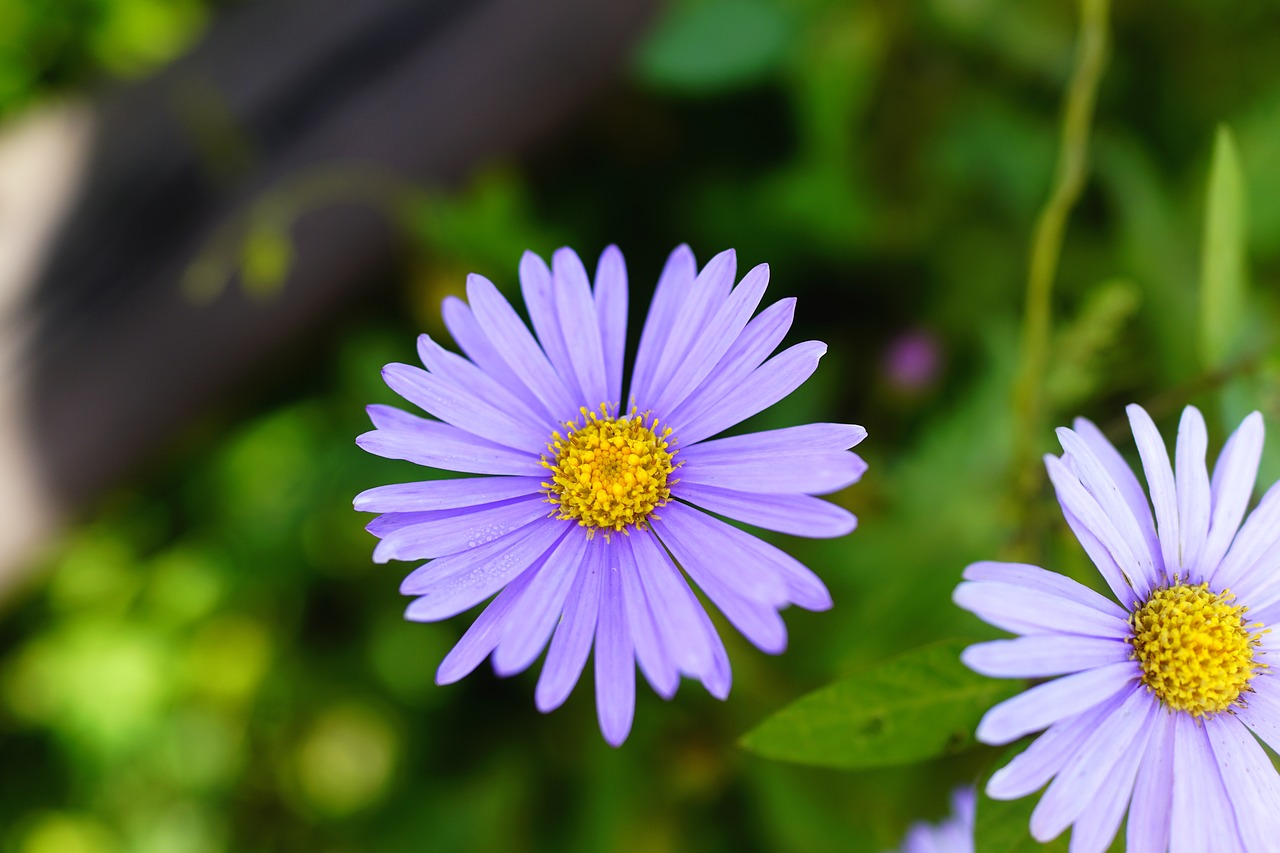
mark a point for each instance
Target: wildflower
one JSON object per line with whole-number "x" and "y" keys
{"x": 595, "y": 500}
{"x": 1159, "y": 693}
{"x": 953, "y": 835}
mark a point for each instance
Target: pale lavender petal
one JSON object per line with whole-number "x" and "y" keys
{"x": 1250, "y": 780}
{"x": 1248, "y": 565}
{"x": 795, "y": 473}
{"x": 1024, "y": 610}
{"x": 463, "y": 409}
{"x": 1234, "y": 477}
{"x": 668, "y": 299}
{"x": 769, "y": 383}
{"x": 615, "y": 662}
{"x": 440, "y": 532}
{"x": 1095, "y": 477}
{"x": 571, "y": 644}
{"x": 1202, "y": 818}
{"x": 719, "y": 678}
{"x": 803, "y": 439}
{"x": 527, "y": 631}
{"x": 706, "y": 546}
{"x": 1044, "y": 655}
{"x": 1148, "y": 824}
{"x": 473, "y": 342}
{"x": 712, "y": 342}
{"x": 1094, "y": 760}
{"x": 445, "y": 494}
{"x": 1130, "y": 489}
{"x": 1262, "y": 714}
{"x": 577, "y": 313}
{"x": 798, "y": 515}
{"x": 401, "y": 435}
{"x": 1083, "y": 507}
{"x": 1047, "y": 703}
{"x": 452, "y": 584}
{"x": 701, "y": 301}
{"x": 1037, "y": 578}
{"x": 540, "y": 297}
{"x": 509, "y": 335}
{"x": 651, "y": 649}
{"x": 470, "y": 380}
{"x": 611, "y": 308}
{"x": 1098, "y": 823}
{"x": 1128, "y": 591}
{"x": 675, "y": 608}
{"x": 484, "y": 633}
{"x": 760, "y": 338}
{"x": 1192, "y": 480}
{"x": 1038, "y": 763}
{"x": 1160, "y": 484}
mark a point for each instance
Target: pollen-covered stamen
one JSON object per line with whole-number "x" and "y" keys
{"x": 609, "y": 473}
{"x": 1196, "y": 651}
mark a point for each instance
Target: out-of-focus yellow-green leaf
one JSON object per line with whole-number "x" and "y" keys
{"x": 1222, "y": 273}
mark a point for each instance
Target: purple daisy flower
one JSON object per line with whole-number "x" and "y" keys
{"x": 1160, "y": 695}
{"x": 595, "y": 500}
{"x": 953, "y": 835}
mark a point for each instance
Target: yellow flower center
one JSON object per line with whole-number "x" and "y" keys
{"x": 609, "y": 473}
{"x": 1196, "y": 651}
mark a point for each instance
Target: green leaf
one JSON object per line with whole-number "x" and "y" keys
{"x": 1004, "y": 826}
{"x": 715, "y": 45}
{"x": 912, "y": 708}
{"x": 1222, "y": 271}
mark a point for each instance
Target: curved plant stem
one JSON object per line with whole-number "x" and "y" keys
{"x": 1046, "y": 243}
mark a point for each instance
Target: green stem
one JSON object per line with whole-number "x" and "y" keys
{"x": 1046, "y": 244}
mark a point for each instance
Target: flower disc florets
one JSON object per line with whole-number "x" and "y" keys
{"x": 609, "y": 473}
{"x": 1196, "y": 651}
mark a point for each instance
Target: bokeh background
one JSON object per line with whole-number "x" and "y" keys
{"x": 196, "y": 652}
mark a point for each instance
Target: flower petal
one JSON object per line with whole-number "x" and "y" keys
{"x": 1262, "y": 714}
{"x": 540, "y": 295}
{"x": 1038, "y": 763}
{"x": 471, "y": 339}
{"x": 1250, "y": 781}
{"x": 798, "y": 515}
{"x": 1148, "y": 824}
{"x": 571, "y": 644}
{"x": 1044, "y": 655}
{"x": 1083, "y": 508}
{"x": 1099, "y": 821}
{"x": 811, "y": 474}
{"x": 438, "y": 533}
{"x": 1127, "y": 482}
{"x": 611, "y": 309}
{"x": 651, "y": 648}
{"x": 1248, "y": 567}
{"x": 679, "y": 615}
{"x": 675, "y": 281}
{"x": 1160, "y": 484}
{"x": 704, "y": 546}
{"x": 401, "y": 435}
{"x": 1202, "y": 818}
{"x": 1234, "y": 477}
{"x": 760, "y": 338}
{"x": 767, "y": 384}
{"x": 445, "y": 494}
{"x": 452, "y": 584}
{"x": 509, "y": 335}
{"x": 1034, "y": 577}
{"x": 802, "y": 440}
{"x": 527, "y": 631}
{"x": 712, "y": 342}
{"x": 468, "y": 379}
{"x": 577, "y": 313}
{"x": 483, "y": 635}
{"x": 1094, "y": 760}
{"x": 1193, "y": 490}
{"x": 702, "y": 299}
{"x": 463, "y": 409}
{"x": 1044, "y": 704}
{"x": 1024, "y": 610}
{"x": 615, "y": 663}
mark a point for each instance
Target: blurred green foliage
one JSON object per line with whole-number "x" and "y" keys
{"x": 211, "y": 662}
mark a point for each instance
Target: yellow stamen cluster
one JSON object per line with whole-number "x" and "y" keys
{"x": 609, "y": 473}
{"x": 1196, "y": 651}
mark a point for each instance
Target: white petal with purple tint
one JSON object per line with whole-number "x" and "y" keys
{"x": 1234, "y": 476}
{"x": 611, "y": 309}
{"x": 1047, "y": 703}
{"x": 798, "y": 515}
